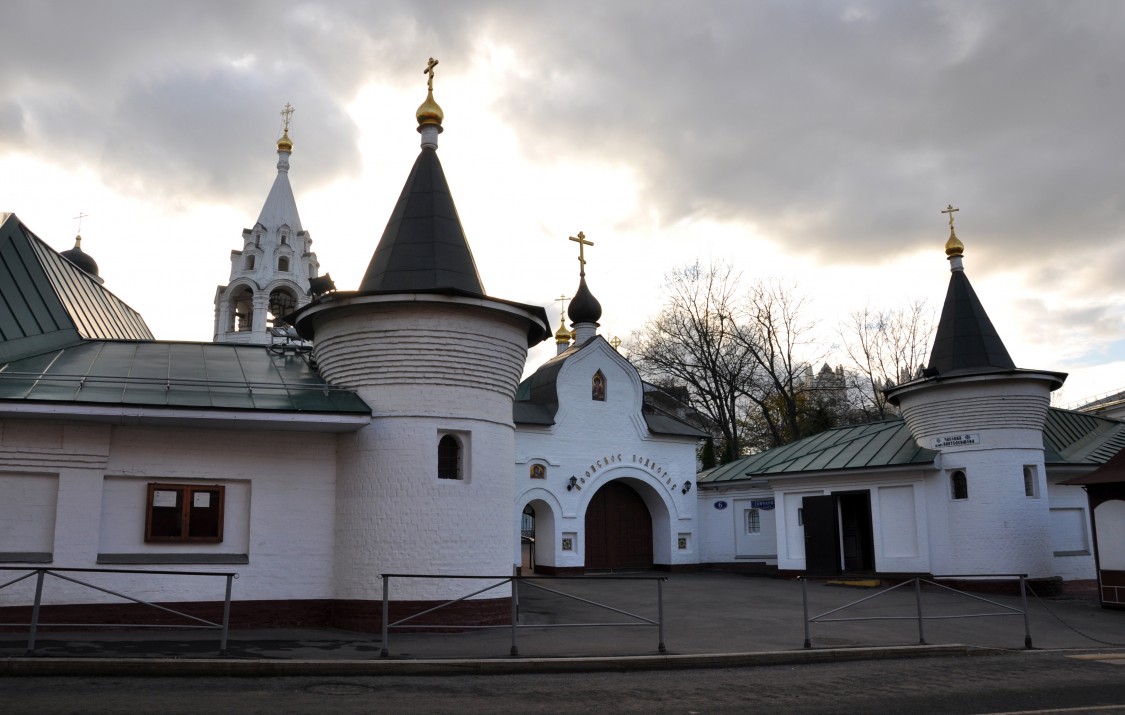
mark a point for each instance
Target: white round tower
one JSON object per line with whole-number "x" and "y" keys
{"x": 426, "y": 488}
{"x": 985, "y": 416}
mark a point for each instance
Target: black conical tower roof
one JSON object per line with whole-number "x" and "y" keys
{"x": 423, "y": 247}
{"x": 966, "y": 341}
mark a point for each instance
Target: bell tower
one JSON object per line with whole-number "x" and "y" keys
{"x": 269, "y": 275}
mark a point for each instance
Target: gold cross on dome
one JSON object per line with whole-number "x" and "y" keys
{"x": 561, "y": 300}
{"x": 429, "y": 71}
{"x": 79, "y": 218}
{"x": 949, "y": 210}
{"x": 580, "y": 239}
{"x": 286, "y": 114}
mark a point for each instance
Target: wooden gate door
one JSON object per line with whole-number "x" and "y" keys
{"x": 618, "y": 529}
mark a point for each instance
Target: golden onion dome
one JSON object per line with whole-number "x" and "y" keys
{"x": 429, "y": 112}
{"x": 285, "y": 143}
{"x": 954, "y": 247}
{"x": 562, "y": 335}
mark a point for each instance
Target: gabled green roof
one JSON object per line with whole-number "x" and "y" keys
{"x": 46, "y": 302}
{"x": 878, "y": 444}
{"x": 1068, "y": 438}
{"x": 169, "y": 374}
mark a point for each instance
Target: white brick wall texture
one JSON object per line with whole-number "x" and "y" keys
{"x": 597, "y": 442}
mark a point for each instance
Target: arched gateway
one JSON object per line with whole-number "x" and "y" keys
{"x": 618, "y": 529}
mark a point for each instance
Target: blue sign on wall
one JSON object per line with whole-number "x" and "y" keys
{"x": 765, "y": 504}
{"x": 720, "y": 504}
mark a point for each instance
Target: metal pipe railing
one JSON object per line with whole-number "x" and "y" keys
{"x": 42, "y": 573}
{"x": 514, "y": 625}
{"x": 919, "y": 615}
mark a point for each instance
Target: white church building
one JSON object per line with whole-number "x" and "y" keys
{"x": 967, "y": 483}
{"x": 324, "y": 437}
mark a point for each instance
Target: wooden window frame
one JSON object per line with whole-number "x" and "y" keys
{"x": 187, "y": 493}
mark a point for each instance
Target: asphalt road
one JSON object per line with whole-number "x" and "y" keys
{"x": 1019, "y": 682}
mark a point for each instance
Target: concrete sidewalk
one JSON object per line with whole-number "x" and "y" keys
{"x": 711, "y": 619}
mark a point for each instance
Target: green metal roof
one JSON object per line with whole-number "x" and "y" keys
{"x": 1076, "y": 438}
{"x": 170, "y": 374}
{"x": 46, "y": 302}
{"x": 1068, "y": 438}
{"x": 878, "y": 444}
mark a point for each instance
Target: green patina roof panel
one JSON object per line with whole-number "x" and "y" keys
{"x": 189, "y": 375}
{"x": 47, "y": 303}
{"x": 878, "y": 444}
{"x": 1068, "y": 438}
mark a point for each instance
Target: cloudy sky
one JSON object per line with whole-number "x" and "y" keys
{"x": 816, "y": 142}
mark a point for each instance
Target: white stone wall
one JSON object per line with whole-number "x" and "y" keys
{"x": 279, "y": 508}
{"x": 899, "y": 518}
{"x": 425, "y": 368}
{"x": 1072, "y": 544}
{"x": 999, "y": 422}
{"x": 597, "y": 442}
{"x": 723, "y": 534}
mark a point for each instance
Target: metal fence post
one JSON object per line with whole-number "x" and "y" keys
{"x": 918, "y": 600}
{"x": 226, "y": 616}
{"x": 660, "y": 614}
{"x": 40, "y": 573}
{"x": 386, "y": 614}
{"x": 515, "y": 650}
{"x": 1026, "y": 624}
{"x": 805, "y": 607}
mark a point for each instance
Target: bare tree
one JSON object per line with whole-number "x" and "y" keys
{"x": 776, "y": 334}
{"x": 887, "y": 347}
{"x": 695, "y": 341}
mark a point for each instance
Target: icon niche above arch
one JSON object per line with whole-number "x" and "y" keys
{"x": 598, "y": 387}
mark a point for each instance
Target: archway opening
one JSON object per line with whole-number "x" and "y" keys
{"x": 618, "y": 530}
{"x": 282, "y": 302}
{"x": 242, "y": 310}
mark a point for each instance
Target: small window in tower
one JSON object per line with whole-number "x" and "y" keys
{"x": 1030, "y": 481}
{"x": 449, "y": 457}
{"x": 597, "y": 387}
{"x": 249, "y": 263}
{"x": 284, "y": 240}
{"x": 958, "y": 485}
{"x": 283, "y": 263}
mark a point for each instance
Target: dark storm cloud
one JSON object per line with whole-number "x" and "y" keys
{"x": 829, "y": 125}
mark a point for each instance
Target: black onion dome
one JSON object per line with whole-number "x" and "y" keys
{"x": 584, "y": 307}
{"x": 80, "y": 258}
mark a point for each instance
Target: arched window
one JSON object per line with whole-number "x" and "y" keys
{"x": 449, "y": 457}
{"x": 958, "y": 485}
{"x": 597, "y": 387}
{"x": 282, "y": 302}
{"x": 283, "y": 263}
{"x": 250, "y": 263}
